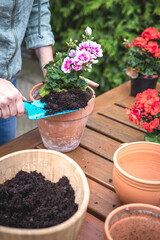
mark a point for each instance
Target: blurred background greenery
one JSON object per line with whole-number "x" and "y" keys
{"x": 111, "y": 22}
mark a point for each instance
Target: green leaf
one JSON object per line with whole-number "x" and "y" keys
{"x": 152, "y": 137}
{"x": 43, "y": 91}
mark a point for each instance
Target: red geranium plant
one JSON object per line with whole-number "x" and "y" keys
{"x": 143, "y": 54}
{"x": 147, "y": 110}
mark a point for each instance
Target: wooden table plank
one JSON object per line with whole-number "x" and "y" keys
{"x": 92, "y": 229}
{"x": 110, "y": 97}
{"x": 27, "y": 141}
{"x": 119, "y": 114}
{"x": 102, "y": 200}
{"x": 126, "y": 103}
{"x": 94, "y": 166}
{"x": 114, "y": 129}
{"x": 99, "y": 144}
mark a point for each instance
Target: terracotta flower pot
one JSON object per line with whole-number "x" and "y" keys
{"x": 141, "y": 84}
{"x": 53, "y": 165}
{"x": 136, "y": 175}
{"x": 133, "y": 221}
{"x": 63, "y": 132}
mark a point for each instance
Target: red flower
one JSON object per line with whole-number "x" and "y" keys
{"x": 139, "y": 42}
{"x": 128, "y": 45}
{"x": 152, "y": 125}
{"x": 157, "y": 54}
{"x": 147, "y": 109}
{"x": 152, "y": 47}
{"x": 155, "y": 76}
{"x": 142, "y": 98}
{"x": 152, "y": 107}
{"x": 134, "y": 115}
{"x": 150, "y": 34}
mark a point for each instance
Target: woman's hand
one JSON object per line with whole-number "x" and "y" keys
{"x": 11, "y": 100}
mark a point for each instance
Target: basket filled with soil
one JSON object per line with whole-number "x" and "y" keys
{"x": 44, "y": 195}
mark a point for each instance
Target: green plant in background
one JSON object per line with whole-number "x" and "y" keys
{"x": 111, "y": 21}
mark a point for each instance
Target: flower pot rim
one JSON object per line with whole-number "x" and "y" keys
{"x": 127, "y": 207}
{"x": 146, "y": 78}
{"x": 63, "y": 225}
{"x": 72, "y": 114}
{"x": 155, "y": 183}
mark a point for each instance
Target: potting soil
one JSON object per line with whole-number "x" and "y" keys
{"x": 30, "y": 201}
{"x": 70, "y": 100}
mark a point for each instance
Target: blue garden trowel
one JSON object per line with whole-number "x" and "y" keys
{"x": 36, "y": 110}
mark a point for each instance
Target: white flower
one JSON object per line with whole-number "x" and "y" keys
{"x": 72, "y": 53}
{"x": 88, "y": 31}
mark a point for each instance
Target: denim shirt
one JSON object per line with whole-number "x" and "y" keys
{"x": 19, "y": 19}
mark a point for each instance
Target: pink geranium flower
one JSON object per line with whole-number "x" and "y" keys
{"x": 96, "y": 50}
{"x": 72, "y": 53}
{"x": 83, "y": 57}
{"x": 92, "y": 47}
{"x": 66, "y": 65}
{"x": 76, "y": 66}
{"x": 84, "y": 45}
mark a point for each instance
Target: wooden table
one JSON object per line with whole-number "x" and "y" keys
{"x": 107, "y": 128}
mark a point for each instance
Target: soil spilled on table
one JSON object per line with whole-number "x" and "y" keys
{"x": 30, "y": 201}
{"x": 70, "y": 100}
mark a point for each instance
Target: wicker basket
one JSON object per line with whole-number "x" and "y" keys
{"x": 53, "y": 165}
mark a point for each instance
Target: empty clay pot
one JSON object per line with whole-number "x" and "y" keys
{"x": 133, "y": 221}
{"x": 136, "y": 175}
{"x": 63, "y": 132}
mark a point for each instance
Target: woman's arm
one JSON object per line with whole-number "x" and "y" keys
{"x": 38, "y": 32}
{"x": 45, "y": 55}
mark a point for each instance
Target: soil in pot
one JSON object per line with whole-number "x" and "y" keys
{"x": 30, "y": 201}
{"x": 70, "y": 100}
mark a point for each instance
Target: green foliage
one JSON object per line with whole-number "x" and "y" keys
{"x": 147, "y": 64}
{"x": 152, "y": 137}
{"x": 111, "y": 22}
{"x": 59, "y": 81}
